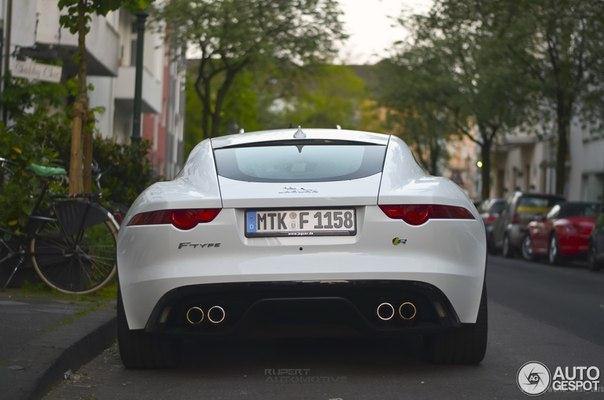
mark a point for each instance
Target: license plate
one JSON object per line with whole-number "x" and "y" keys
{"x": 309, "y": 222}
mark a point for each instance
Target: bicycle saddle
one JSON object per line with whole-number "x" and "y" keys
{"x": 46, "y": 171}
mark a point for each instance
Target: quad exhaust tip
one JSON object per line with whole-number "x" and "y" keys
{"x": 216, "y": 314}
{"x": 195, "y": 315}
{"x": 385, "y": 311}
{"x": 407, "y": 310}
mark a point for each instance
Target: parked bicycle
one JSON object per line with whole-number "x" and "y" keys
{"x": 71, "y": 242}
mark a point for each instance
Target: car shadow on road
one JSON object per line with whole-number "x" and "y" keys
{"x": 301, "y": 357}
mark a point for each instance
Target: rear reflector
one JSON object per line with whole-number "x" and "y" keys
{"x": 417, "y": 214}
{"x": 182, "y": 219}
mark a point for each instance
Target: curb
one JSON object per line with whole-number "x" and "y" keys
{"x": 66, "y": 348}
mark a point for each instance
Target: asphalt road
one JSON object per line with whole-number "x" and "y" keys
{"x": 536, "y": 312}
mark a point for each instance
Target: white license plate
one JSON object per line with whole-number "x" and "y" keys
{"x": 304, "y": 222}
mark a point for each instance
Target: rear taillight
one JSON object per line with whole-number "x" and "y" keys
{"x": 417, "y": 214}
{"x": 182, "y": 219}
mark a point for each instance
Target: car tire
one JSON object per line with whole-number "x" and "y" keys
{"x": 465, "y": 345}
{"x": 506, "y": 248}
{"x": 139, "y": 349}
{"x": 592, "y": 259}
{"x": 527, "y": 248}
{"x": 553, "y": 251}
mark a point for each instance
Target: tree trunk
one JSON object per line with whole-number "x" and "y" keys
{"x": 434, "y": 157}
{"x": 220, "y": 97}
{"x": 563, "y": 129}
{"x": 80, "y": 112}
{"x": 75, "y": 163}
{"x": 87, "y": 150}
{"x": 485, "y": 171}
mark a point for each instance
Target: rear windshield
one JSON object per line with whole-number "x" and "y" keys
{"x": 299, "y": 162}
{"x": 536, "y": 204}
{"x": 579, "y": 209}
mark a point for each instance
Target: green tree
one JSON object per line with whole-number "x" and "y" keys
{"x": 559, "y": 44}
{"x": 243, "y": 108}
{"x": 323, "y": 96}
{"x": 78, "y": 14}
{"x": 414, "y": 86}
{"x": 234, "y": 35}
{"x": 462, "y": 74}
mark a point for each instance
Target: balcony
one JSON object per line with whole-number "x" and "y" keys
{"x": 124, "y": 90}
{"x": 51, "y": 41}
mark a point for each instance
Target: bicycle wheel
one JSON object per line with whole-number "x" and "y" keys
{"x": 73, "y": 249}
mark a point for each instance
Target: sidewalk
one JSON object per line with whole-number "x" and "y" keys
{"x": 41, "y": 337}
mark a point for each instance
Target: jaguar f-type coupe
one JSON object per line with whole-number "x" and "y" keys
{"x": 301, "y": 232}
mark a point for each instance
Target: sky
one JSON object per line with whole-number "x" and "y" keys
{"x": 370, "y": 25}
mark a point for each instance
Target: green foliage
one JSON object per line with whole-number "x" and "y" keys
{"x": 70, "y": 21}
{"x": 267, "y": 97}
{"x": 414, "y": 87}
{"x": 456, "y": 76}
{"x": 36, "y": 135}
{"x": 121, "y": 163}
{"x": 39, "y": 133}
{"x": 324, "y": 96}
{"x": 233, "y": 36}
{"x": 556, "y": 48}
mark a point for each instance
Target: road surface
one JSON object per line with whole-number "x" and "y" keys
{"x": 554, "y": 315}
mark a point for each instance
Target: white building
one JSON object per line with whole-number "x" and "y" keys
{"x": 111, "y": 50}
{"x": 526, "y": 161}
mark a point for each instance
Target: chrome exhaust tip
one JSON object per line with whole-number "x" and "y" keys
{"x": 216, "y": 314}
{"x": 194, "y": 315}
{"x": 385, "y": 311}
{"x": 407, "y": 310}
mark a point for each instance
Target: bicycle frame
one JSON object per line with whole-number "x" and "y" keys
{"x": 20, "y": 251}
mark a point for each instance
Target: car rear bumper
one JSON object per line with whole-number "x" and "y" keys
{"x": 572, "y": 245}
{"x": 458, "y": 291}
{"x": 300, "y": 308}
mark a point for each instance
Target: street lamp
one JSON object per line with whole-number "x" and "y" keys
{"x": 141, "y": 17}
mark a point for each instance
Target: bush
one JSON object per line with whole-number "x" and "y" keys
{"x": 40, "y": 133}
{"x": 123, "y": 163}
{"x": 35, "y": 135}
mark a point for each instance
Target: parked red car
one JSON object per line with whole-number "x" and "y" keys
{"x": 564, "y": 232}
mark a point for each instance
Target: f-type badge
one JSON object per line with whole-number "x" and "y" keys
{"x": 197, "y": 245}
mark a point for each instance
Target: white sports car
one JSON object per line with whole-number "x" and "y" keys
{"x": 301, "y": 231}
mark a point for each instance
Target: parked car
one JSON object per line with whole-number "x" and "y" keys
{"x": 596, "y": 242}
{"x": 269, "y": 233}
{"x": 521, "y": 208}
{"x": 564, "y": 232}
{"x": 490, "y": 209}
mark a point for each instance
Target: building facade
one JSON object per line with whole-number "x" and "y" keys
{"x": 526, "y": 161}
{"x": 111, "y": 55}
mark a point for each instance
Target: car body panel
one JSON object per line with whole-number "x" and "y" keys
{"x": 573, "y": 232}
{"x": 597, "y": 237}
{"x": 516, "y": 230}
{"x": 448, "y": 254}
{"x": 287, "y": 134}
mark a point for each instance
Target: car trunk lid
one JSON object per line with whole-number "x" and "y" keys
{"x": 357, "y": 192}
